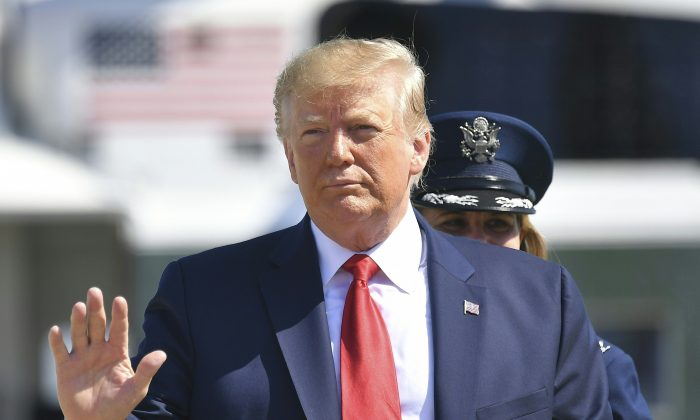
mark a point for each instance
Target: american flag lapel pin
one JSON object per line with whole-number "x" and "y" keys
{"x": 471, "y": 308}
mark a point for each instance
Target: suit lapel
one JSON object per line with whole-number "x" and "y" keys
{"x": 456, "y": 335}
{"x": 294, "y": 296}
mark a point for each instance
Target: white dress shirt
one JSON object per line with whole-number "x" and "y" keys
{"x": 400, "y": 290}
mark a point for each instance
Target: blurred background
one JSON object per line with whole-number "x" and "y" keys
{"x": 136, "y": 131}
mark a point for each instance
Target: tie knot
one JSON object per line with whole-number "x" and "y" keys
{"x": 361, "y": 266}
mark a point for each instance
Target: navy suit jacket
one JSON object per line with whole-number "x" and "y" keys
{"x": 245, "y": 331}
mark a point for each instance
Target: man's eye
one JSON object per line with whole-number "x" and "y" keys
{"x": 312, "y": 136}
{"x": 312, "y": 131}
{"x": 364, "y": 127}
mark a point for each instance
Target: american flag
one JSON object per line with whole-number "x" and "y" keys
{"x": 220, "y": 75}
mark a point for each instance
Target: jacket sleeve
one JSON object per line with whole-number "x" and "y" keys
{"x": 166, "y": 328}
{"x": 580, "y": 386}
{"x": 626, "y": 399}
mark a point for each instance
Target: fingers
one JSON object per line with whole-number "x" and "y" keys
{"x": 89, "y": 322}
{"x": 58, "y": 347}
{"x": 96, "y": 317}
{"x": 147, "y": 368}
{"x": 78, "y": 326}
{"x": 119, "y": 331}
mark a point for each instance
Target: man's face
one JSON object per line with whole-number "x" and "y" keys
{"x": 350, "y": 154}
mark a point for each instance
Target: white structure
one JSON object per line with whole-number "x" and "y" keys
{"x": 621, "y": 203}
{"x": 60, "y": 232}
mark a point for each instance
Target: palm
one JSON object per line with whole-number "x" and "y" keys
{"x": 95, "y": 380}
{"x": 109, "y": 380}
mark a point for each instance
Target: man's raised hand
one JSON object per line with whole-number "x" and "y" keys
{"x": 95, "y": 379}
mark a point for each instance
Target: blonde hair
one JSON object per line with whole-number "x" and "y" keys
{"x": 531, "y": 241}
{"x": 345, "y": 62}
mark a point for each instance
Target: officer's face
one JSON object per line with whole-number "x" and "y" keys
{"x": 490, "y": 227}
{"x": 349, "y": 153}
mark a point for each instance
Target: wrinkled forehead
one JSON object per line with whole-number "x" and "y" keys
{"x": 372, "y": 94}
{"x": 348, "y": 87}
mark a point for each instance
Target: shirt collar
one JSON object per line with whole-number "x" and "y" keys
{"x": 399, "y": 255}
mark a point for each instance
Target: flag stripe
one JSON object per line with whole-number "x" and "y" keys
{"x": 223, "y": 75}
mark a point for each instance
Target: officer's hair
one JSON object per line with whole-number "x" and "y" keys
{"x": 531, "y": 241}
{"x": 345, "y": 62}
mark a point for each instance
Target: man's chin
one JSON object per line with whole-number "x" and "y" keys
{"x": 350, "y": 208}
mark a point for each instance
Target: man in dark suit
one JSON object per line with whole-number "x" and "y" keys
{"x": 361, "y": 310}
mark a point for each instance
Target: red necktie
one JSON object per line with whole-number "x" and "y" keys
{"x": 367, "y": 372}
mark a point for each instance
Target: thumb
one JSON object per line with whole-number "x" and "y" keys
{"x": 147, "y": 368}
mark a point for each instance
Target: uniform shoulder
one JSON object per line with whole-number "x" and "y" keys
{"x": 613, "y": 355}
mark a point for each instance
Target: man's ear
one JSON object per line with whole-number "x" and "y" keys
{"x": 421, "y": 152}
{"x": 289, "y": 153}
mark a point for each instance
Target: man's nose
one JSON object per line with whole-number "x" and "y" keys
{"x": 340, "y": 150}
